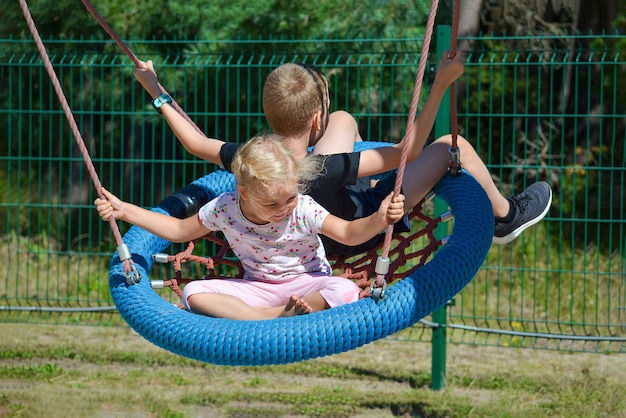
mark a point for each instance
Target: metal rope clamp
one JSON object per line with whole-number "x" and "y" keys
{"x": 382, "y": 268}
{"x": 455, "y": 161}
{"x": 132, "y": 276}
{"x": 160, "y": 258}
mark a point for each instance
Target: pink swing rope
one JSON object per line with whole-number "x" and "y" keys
{"x": 383, "y": 259}
{"x": 129, "y": 268}
{"x": 455, "y": 162}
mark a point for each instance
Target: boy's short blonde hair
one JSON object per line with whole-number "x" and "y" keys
{"x": 292, "y": 94}
{"x": 264, "y": 161}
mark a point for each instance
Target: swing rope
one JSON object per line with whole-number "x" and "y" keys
{"x": 455, "y": 160}
{"x": 124, "y": 253}
{"x": 384, "y": 259}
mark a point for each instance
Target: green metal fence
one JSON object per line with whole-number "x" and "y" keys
{"x": 546, "y": 108}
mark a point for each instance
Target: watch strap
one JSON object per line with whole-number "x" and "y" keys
{"x": 160, "y": 101}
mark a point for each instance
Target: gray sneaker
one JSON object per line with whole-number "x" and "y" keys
{"x": 530, "y": 206}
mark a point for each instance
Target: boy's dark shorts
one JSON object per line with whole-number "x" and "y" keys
{"x": 367, "y": 200}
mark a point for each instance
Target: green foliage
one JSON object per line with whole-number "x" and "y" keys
{"x": 343, "y": 19}
{"x": 52, "y": 18}
{"x": 163, "y": 19}
{"x": 222, "y": 19}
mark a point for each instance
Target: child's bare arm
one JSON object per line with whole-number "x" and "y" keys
{"x": 166, "y": 227}
{"x": 380, "y": 160}
{"x": 195, "y": 142}
{"x": 359, "y": 231}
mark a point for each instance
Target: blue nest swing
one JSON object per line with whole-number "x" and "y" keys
{"x": 303, "y": 337}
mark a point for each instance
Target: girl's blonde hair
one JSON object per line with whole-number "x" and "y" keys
{"x": 264, "y": 161}
{"x": 292, "y": 94}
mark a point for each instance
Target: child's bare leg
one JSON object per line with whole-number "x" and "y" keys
{"x": 220, "y": 305}
{"x": 341, "y": 134}
{"x": 512, "y": 215}
{"x": 423, "y": 173}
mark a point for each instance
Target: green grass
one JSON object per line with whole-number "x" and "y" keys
{"x": 80, "y": 371}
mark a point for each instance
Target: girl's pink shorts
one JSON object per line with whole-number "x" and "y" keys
{"x": 335, "y": 290}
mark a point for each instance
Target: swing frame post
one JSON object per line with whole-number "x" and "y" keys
{"x": 443, "y": 36}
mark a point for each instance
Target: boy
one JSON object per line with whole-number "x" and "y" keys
{"x": 296, "y": 103}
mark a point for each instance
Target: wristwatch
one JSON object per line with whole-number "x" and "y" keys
{"x": 160, "y": 101}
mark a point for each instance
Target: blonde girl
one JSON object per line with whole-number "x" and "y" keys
{"x": 273, "y": 229}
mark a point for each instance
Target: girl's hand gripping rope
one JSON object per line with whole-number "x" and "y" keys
{"x": 111, "y": 208}
{"x": 393, "y": 206}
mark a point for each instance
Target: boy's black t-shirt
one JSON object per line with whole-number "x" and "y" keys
{"x": 338, "y": 190}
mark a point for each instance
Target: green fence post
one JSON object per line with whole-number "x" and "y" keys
{"x": 442, "y": 127}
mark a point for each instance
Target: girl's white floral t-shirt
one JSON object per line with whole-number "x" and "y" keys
{"x": 271, "y": 252}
